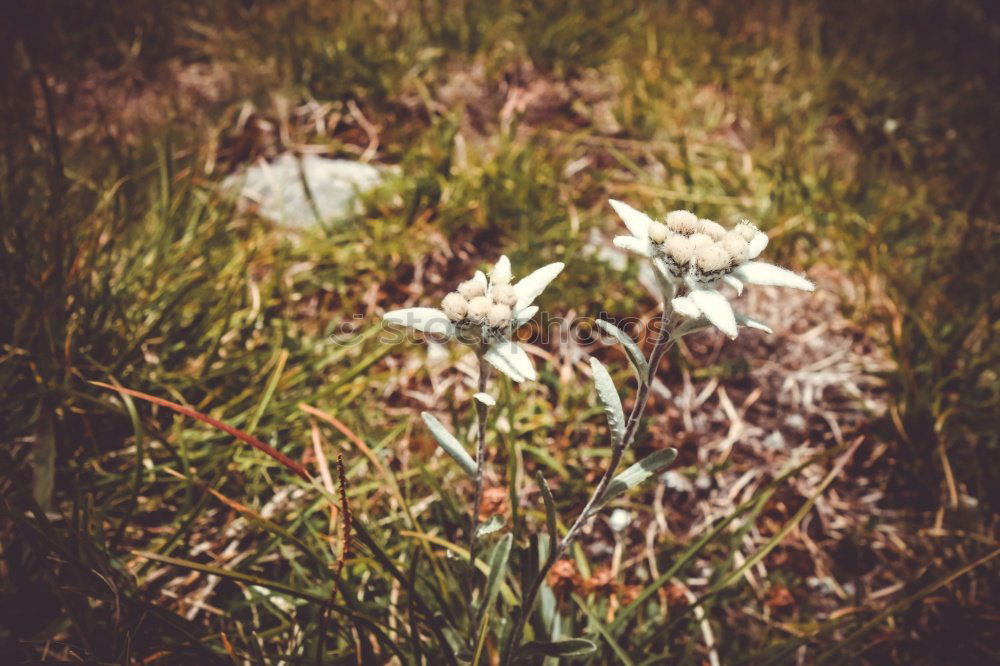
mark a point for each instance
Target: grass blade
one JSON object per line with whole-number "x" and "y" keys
{"x": 498, "y": 569}
{"x": 569, "y": 647}
{"x": 215, "y": 423}
{"x": 550, "y": 512}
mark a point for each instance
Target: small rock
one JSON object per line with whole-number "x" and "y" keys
{"x": 676, "y": 481}
{"x": 774, "y": 441}
{"x": 275, "y": 190}
{"x": 795, "y": 422}
{"x": 620, "y": 518}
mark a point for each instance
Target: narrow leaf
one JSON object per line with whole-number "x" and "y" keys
{"x": 550, "y": 511}
{"x": 498, "y": 568}
{"x": 635, "y": 356}
{"x": 636, "y": 221}
{"x": 490, "y": 526}
{"x": 215, "y": 423}
{"x": 652, "y": 464}
{"x": 502, "y": 363}
{"x": 596, "y": 623}
{"x": 486, "y": 399}
{"x": 462, "y": 554}
{"x": 608, "y": 394}
{"x": 450, "y": 445}
{"x": 570, "y": 647}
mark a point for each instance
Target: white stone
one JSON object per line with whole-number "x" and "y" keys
{"x": 275, "y": 190}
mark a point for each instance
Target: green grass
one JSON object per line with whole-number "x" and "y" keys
{"x": 121, "y": 261}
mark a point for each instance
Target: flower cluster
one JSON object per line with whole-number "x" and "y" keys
{"x": 484, "y": 308}
{"x": 701, "y": 255}
{"x": 485, "y": 313}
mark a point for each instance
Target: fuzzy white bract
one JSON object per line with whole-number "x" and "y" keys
{"x": 699, "y": 256}
{"x": 484, "y": 314}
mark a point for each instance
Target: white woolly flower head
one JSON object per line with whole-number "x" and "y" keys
{"x": 455, "y": 306}
{"x": 485, "y": 313}
{"x": 701, "y": 255}
{"x": 713, "y": 230}
{"x": 683, "y": 222}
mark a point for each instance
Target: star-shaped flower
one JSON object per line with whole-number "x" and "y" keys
{"x": 485, "y": 314}
{"x": 701, "y": 255}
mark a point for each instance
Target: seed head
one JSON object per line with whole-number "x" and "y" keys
{"x": 711, "y": 258}
{"x": 471, "y": 289}
{"x": 498, "y": 315}
{"x": 657, "y": 232}
{"x": 478, "y": 309}
{"x": 455, "y": 306}
{"x": 682, "y": 222}
{"x": 713, "y": 229}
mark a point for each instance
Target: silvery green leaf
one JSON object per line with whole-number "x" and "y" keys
{"x": 717, "y": 309}
{"x": 649, "y": 466}
{"x": 608, "y": 394}
{"x": 450, "y": 445}
{"x": 632, "y": 351}
{"x": 757, "y": 244}
{"x": 636, "y": 221}
{"x": 689, "y": 326}
{"x": 501, "y": 271}
{"x": 500, "y": 362}
{"x": 763, "y": 273}
{"x": 427, "y": 320}
{"x": 511, "y": 356}
{"x": 734, "y": 283}
{"x": 494, "y": 523}
{"x": 530, "y": 287}
{"x": 567, "y": 647}
{"x": 749, "y": 322}
{"x": 685, "y": 306}
{"x": 485, "y": 398}
{"x": 521, "y": 316}
{"x": 548, "y": 611}
{"x": 498, "y": 568}
{"x": 633, "y": 244}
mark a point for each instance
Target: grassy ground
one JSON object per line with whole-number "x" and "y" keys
{"x": 862, "y": 139}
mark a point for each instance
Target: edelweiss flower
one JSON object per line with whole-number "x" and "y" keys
{"x": 484, "y": 314}
{"x": 701, "y": 255}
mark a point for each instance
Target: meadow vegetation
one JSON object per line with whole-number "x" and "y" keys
{"x": 862, "y": 138}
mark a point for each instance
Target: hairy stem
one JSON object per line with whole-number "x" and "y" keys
{"x": 660, "y": 347}
{"x": 481, "y": 410}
